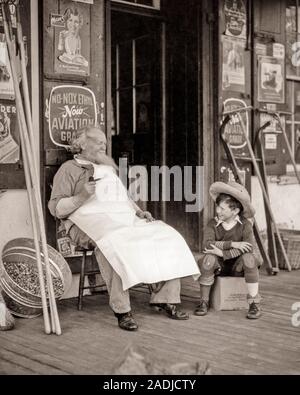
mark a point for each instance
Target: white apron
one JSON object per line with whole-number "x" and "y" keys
{"x": 139, "y": 251}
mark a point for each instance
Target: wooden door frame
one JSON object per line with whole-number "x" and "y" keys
{"x": 108, "y": 84}
{"x": 210, "y": 120}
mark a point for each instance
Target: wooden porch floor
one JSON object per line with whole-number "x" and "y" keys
{"x": 92, "y": 342}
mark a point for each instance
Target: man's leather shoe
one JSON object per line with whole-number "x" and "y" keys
{"x": 127, "y": 322}
{"x": 171, "y": 310}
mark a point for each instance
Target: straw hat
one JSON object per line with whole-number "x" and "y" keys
{"x": 236, "y": 190}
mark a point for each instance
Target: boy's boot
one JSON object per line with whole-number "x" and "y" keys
{"x": 202, "y": 308}
{"x": 254, "y": 311}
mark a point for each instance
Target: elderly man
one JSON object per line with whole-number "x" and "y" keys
{"x": 131, "y": 247}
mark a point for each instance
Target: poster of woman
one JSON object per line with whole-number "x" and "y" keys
{"x": 72, "y": 46}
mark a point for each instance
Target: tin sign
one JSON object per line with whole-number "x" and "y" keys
{"x": 234, "y": 133}
{"x": 70, "y": 108}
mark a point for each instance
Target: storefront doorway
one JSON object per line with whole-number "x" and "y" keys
{"x": 136, "y": 91}
{"x": 156, "y": 95}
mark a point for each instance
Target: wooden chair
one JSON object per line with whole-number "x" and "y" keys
{"x": 83, "y": 274}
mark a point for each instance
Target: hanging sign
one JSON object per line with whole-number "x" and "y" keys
{"x": 69, "y": 109}
{"x": 233, "y": 132}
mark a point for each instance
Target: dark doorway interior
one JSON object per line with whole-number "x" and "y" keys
{"x": 137, "y": 98}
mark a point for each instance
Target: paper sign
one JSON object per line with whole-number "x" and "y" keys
{"x": 271, "y": 141}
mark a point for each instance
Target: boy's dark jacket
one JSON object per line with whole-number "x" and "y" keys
{"x": 215, "y": 234}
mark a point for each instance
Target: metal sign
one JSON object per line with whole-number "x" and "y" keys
{"x": 233, "y": 132}
{"x": 69, "y": 109}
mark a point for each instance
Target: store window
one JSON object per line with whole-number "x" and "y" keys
{"x": 131, "y": 86}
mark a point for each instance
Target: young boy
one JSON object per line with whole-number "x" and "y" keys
{"x": 229, "y": 245}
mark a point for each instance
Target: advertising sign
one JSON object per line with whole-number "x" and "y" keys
{"x": 69, "y": 109}
{"x": 72, "y": 39}
{"x": 235, "y": 18}
{"x": 9, "y": 135}
{"x": 233, "y": 64}
{"x": 271, "y": 79}
{"x": 233, "y": 132}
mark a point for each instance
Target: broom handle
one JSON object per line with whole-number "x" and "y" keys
{"x": 36, "y": 239}
{"x": 53, "y": 308}
{"x": 27, "y": 108}
{"x": 29, "y": 191}
{"x": 34, "y": 177}
{"x": 264, "y": 192}
{"x": 25, "y": 79}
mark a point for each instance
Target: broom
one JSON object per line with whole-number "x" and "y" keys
{"x": 30, "y": 167}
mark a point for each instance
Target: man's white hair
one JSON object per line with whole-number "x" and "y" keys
{"x": 80, "y": 138}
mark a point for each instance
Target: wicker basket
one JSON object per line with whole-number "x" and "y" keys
{"x": 291, "y": 242}
{"x": 19, "y": 277}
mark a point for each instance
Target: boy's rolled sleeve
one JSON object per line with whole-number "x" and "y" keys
{"x": 62, "y": 188}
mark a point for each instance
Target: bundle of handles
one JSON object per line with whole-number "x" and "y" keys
{"x": 52, "y": 323}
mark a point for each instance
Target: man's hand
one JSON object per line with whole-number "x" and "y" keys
{"x": 145, "y": 215}
{"x": 214, "y": 251}
{"x": 89, "y": 189}
{"x": 243, "y": 246}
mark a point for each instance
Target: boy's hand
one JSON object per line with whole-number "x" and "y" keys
{"x": 243, "y": 246}
{"x": 214, "y": 251}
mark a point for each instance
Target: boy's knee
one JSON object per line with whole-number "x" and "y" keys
{"x": 250, "y": 267}
{"x": 249, "y": 261}
{"x": 208, "y": 263}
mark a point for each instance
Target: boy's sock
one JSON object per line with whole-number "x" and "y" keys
{"x": 205, "y": 292}
{"x": 252, "y": 289}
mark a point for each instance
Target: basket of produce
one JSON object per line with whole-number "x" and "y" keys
{"x": 291, "y": 242}
{"x": 20, "y": 281}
